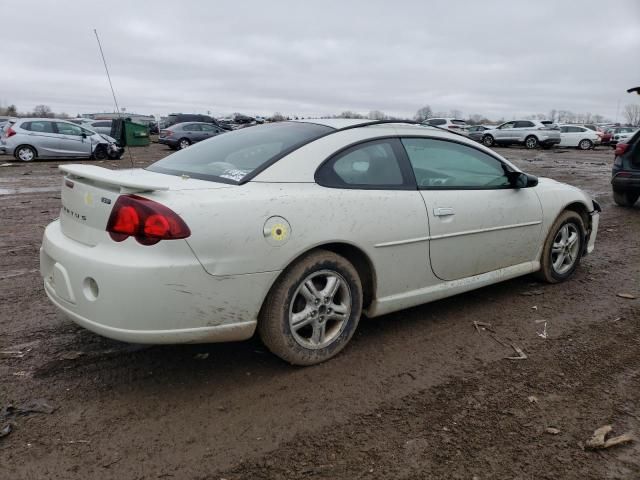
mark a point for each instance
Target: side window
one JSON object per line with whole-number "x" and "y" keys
{"x": 437, "y": 121}
{"x": 194, "y": 127}
{"x": 564, "y": 129}
{"x": 450, "y": 165}
{"x": 372, "y": 165}
{"x": 523, "y": 124}
{"x": 68, "y": 129}
{"x": 38, "y": 126}
{"x": 506, "y": 126}
{"x": 207, "y": 128}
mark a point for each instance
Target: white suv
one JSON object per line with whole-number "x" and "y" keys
{"x": 453, "y": 124}
{"x": 530, "y": 133}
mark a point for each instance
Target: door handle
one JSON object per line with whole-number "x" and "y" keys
{"x": 443, "y": 211}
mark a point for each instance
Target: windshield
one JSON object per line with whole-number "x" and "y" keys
{"x": 233, "y": 156}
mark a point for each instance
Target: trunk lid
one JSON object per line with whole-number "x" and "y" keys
{"x": 89, "y": 193}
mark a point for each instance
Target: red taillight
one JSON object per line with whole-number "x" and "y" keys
{"x": 146, "y": 220}
{"x": 454, "y": 126}
{"x": 10, "y": 132}
{"x": 621, "y": 148}
{"x": 166, "y": 133}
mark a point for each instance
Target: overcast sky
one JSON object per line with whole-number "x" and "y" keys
{"x": 500, "y": 59}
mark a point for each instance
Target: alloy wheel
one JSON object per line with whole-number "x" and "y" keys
{"x": 564, "y": 252}
{"x": 320, "y": 309}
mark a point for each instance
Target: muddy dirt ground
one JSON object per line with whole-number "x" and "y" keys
{"x": 417, "y": 394}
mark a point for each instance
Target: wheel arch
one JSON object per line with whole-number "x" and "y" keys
{"x": 581, "y": 209}
{"x": 355, "y": 255}
{"x": 15, "y": 150}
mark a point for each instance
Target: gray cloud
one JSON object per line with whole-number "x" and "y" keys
{"x": 501, "y": 59}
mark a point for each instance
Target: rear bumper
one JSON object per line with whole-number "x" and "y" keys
{"x": 167, "y": 141}
{"x": 621, "y": 184}
{"x": 140, "y": 295}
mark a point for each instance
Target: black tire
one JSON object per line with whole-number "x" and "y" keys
{"x": 531, "y": 142}
{"x": 25, "y": 153}
{"x": 183, "y": 143}
{"x": 488, "y": 141}
{"x": 585, "y": 144}
{"x": 626, "y": 198}
{"x": 116, "y": 156}
{"x": 100, "y": 153}
{"x": 548, "y": 271}
{"x": 276, "y": 316}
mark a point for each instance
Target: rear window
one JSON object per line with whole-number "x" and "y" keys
{"x": 233, "y": 156}
{"x": 459, "y": 122}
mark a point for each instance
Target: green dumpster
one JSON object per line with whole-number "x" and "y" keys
{"x": 136, "y": 134}
{"x": 129, "y": 134}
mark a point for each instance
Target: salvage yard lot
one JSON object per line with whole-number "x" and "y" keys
{"x": 417, "y": 394}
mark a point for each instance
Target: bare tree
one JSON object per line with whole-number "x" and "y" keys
{"x": 455, "y": 113}
{"x": 423, "y": 114}
{"x": 10, "y": 111}
{"x": 43, "y": 111}
{"x": 350, "y": 114}
{"x": 277, "y": 117}
{"x": 632, "y": 114}
{"x": 376, "y": 115}
{"x": 552, "y": 115}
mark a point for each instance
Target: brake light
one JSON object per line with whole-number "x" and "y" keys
{"x": 166, "y": 133}
{"x": 621, "y": 148}
{"x": 146, "y": 220}
{"x": 10, "y": 132}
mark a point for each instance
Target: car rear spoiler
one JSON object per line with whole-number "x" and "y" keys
{"x": 127, "y": 180}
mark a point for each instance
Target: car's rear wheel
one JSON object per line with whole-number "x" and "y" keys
{"x": 313, "y": 310}
{"x": 562, "y": 248}
{"x": 184, "y": 143}
{"x": 625, "y": 199}
{"x": 25, "y": 153}
{"x": 488, "y": 141}
{"x": 585, "y": 144}
{"x": 531, "y": 142}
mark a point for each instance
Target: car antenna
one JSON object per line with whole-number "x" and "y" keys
{"x": 115, "y": 101}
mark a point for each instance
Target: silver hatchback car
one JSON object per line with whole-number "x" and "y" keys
{"x": 31, "y": 138}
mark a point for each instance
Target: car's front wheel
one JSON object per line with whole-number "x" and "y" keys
{"x": 562, "y": 248}
{"x": 25, "y": 153}
{"x": 625, "y": 199}
{"x": 313, "y": 310}
{"x": 184, "y": 143}
{"x": 101, "y": 153}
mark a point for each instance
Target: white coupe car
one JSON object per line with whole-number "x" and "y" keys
{"x": 578, "y": 136}
{"x": 296, "y": 229}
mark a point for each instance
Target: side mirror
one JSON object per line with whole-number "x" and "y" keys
{"x": 522, "y": 180}
{"x": 83, "y": 135}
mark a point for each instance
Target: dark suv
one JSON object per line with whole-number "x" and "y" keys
{"x": 625, "y": 175}
{"x": 174, "y": 118}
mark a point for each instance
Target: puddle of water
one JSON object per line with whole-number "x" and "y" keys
{"x": 23, "y": 190}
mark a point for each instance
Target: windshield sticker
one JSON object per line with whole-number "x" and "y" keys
{"x": 233, "y": 174}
